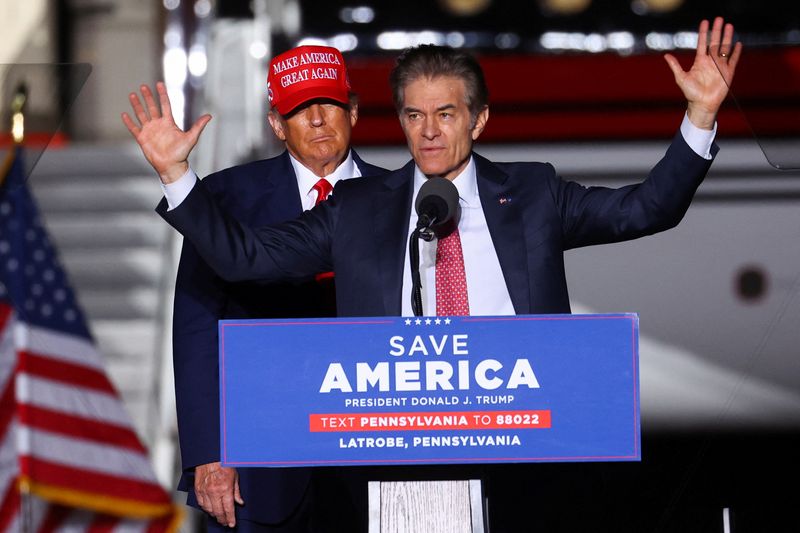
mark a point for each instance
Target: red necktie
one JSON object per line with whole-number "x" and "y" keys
{"x": 323, "y": 188}
{"x": 451, "y": 280}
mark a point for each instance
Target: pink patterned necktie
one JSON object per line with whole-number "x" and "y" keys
{"x": 451, "y": 280}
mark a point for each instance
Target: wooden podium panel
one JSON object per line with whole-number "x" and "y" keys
{"x": 426, "y": 507}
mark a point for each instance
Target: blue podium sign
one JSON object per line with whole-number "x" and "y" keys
{"x": 429, "y": 390}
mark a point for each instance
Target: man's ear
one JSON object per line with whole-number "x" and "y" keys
{"x": 276, "y": 123}
{"x": 480, "y": 122}
{"x": 353, "y": 114}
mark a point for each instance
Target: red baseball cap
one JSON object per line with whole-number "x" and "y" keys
{"x": 305, "y": 73}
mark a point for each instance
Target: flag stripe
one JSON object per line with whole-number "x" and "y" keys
{"x": 84, "y": 455}
{"x": 65, "y": 372}
{"x": 8, "y": 352}
{"x": 5, "y": 315}
{"x": 74, "y": 426}
{"x": 132, "y": 527}
{"x": 103, "y": 524}
{"x": 14, "y": 524}
{"x": 83, "y": 521}
{"x": 66, "y": 399}
{"x": 166, "y": 524}
{"x": 7, "y": 409}
{"x": 9, "y": 465}
{"x": 56, "y": 475}
{"x": 9, "y": 462}
{"x": 100, "y": 502}
{"x": 78, "y": 521}
{"x": 33, "y": 512}
{"x": 58, "y": 345}
{"x": 9, "y": 507}
{"x": 56, "y": 514}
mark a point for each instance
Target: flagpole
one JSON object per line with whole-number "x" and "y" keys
{"x": 18, "y": 114}
{"x": 26, "y": 507}
{"x": 18, "y": 135}
{"x": 17, "y": 127}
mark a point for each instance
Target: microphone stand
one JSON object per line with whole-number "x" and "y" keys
{"x": 423, "y": 231}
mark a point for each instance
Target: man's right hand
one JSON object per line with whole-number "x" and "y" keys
{"x": 217, "y": 489}
{"x": 165, "y": 146}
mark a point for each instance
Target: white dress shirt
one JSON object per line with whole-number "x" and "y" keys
{"x": 486, "y": 289}
{"x": 307, "y": 179}
{"x": 177, "y": 191}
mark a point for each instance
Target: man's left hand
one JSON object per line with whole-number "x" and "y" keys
{"x": 707, "y": 82}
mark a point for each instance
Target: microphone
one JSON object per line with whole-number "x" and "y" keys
{"x": 438, "y": 212}
{"x": 437, "y": 207}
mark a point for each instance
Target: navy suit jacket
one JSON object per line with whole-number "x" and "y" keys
{"x": 258, "y": 193}
{"x": 533, "y": 217}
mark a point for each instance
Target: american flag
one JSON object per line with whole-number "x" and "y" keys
{"x": 70, "y": 459}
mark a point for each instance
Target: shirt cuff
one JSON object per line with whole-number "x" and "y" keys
{"x": 699, "y": 140}
{"x": 177, "y": 191}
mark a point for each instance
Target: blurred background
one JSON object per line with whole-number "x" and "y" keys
{"x": 579, "y": 83}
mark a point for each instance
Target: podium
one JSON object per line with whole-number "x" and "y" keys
{"x": 454, "y": 506}
{"x": 429, "y": 391}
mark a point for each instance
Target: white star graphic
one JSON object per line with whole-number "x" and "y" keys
{"x": 447, "y": 321}
{"x": 408, "y": 321}
{"x": 438, "y": 321}
{"x": 427, "y": 321}
{"x": 418, "y": 322}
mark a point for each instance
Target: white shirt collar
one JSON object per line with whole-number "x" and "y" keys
{"x": 306, "y": 179}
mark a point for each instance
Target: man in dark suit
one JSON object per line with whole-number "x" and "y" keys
{"x": 528, "y": 213}
{"x": 314, "y": 121}
{"x": 517, "y": 218}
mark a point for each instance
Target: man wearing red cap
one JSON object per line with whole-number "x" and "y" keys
{"x": 312, "y": 113}
{"x": 505, "y": 253}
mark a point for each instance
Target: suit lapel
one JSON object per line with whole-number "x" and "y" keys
{"x": 267, "y": 192}
{"x": 392, "y": 208}
{"x": 285, "y": 196}
{"x": 504, "y": 218}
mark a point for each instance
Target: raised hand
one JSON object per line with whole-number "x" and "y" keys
{"x": 165, "y": 146}
{"x": 217, "y": 489}
{"x": 706, "y": 83}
